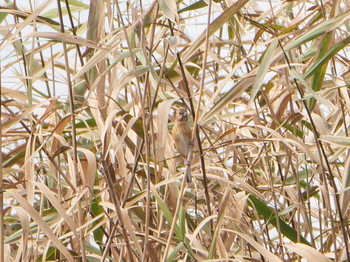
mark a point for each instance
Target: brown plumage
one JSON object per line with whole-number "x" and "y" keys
{"x": 182, "y": 134}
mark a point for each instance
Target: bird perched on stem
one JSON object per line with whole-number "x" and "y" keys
{"x": 182, "y": 134}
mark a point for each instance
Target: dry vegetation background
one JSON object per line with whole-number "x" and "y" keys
{"x": 89, "y": 171}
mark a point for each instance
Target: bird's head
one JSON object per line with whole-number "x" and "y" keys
{"x": 181, "y": 114}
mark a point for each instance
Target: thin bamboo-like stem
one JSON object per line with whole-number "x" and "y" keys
{"x": 176, "y": 215}
{"x": 74, "y": 137}
{"x": 2, "y": 226}
{"x": 275, "y": 202}
{"x": 189, "y": 157}
{"x": 150, "y": 119}
{"x": 117, "y": 206}
{"x": 195, "y": 131}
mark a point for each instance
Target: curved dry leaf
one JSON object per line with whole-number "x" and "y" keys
{"x": 29, "y": 169}
{"x": 121, "y": 139}
{"x": 11, "y": 37}
{"x": 42, "y": 224}
{"x": 128, "y": 224}
{"x": 324, "y": 27}
{"x": 106, "y": 129}
{"x": 89, "y": 170}
{"x": 290, "y": 141}
{"x": 240, "y": 203}
{"x": 262, "y": 71}
{"x": 345, "y": 196}
{"x": 24, "y": 218}
{"x": 305, "y": 251}
{"x": 233, "y": 93}
{"x": 49, "y": 110}
{"x": 262, "y": 250}
{"x": 200, "y": 227}
{"x": 310, "y": 92}
{"x": 217, "y": 243}
{"x": 58, "y": 131}
{"x": 60, "y": 150}
{"x": 338, "y": 140}
{"x": 237, "y": 181}
{"x": 20, "y": 96}
{"x": 221, "y": 248}
{"x": 169, "y": 9}
{"x": 321, "y": 124}
{"x": 16, "y": 119}
{"x": 214, "y": 26}
{"x": 162, "y": 121}
{"x": 63, "y": 37}
{"x": 345, "y": 95}
{"x": 51, "y": 196}
{"x": 89, "y": 226}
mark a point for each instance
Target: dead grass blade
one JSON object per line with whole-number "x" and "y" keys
{"x": 42, "y": 224}
{"x": 307, "y": 252}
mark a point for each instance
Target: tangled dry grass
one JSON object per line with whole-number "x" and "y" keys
{"x": 89, "y": 170}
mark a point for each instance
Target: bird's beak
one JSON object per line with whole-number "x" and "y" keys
{"x": 184, "y": 115}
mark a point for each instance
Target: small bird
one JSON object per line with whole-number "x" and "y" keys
{"x": 182, "y": 134}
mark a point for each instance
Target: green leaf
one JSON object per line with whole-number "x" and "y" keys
{"x": 188, "y": 246}
{"x": 50, "y": 219}
{"x": 318, "y": 77}
{"x": 269, "y": 215}
{"x": 320, "y": 29}
{"x": 16, "y": 159}
{"x": 50, "y": 255}
{"x": 3, "y": 15}
{"x": 173, "y": 254}
{"x": 195, "y": 6}
{"x": 311, "y": 92}
{"x": 182, "y": 220}
{"x": 291, "y": 129}
{"x": 43, "y": 225}
{"x": 166, "y": 212}
{"x": 97, "y": 210}
{"x": 324, "y": 59}
{"x": 91, "y": 122}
